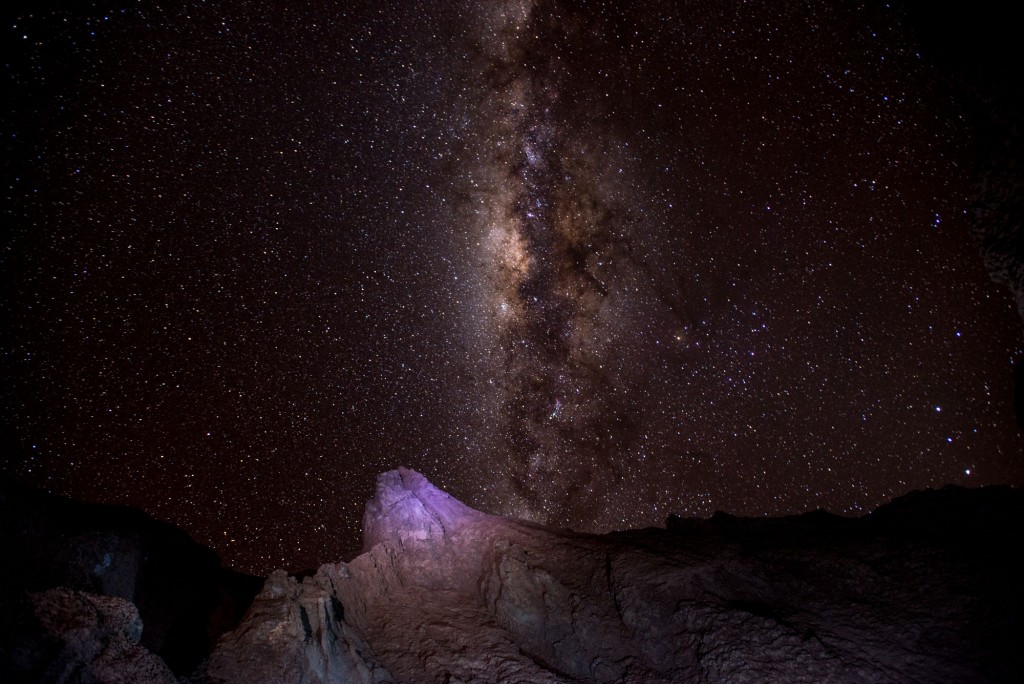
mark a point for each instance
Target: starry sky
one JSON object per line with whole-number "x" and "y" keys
{"x": 587, "y": 263}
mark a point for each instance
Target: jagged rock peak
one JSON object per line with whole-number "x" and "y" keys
{"x": 408, "y": 510}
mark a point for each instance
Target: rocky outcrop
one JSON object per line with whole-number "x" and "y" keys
{"x": 91, "y": 639}
{"x": 926, "y": 589}
{"x": 107, "y": 556}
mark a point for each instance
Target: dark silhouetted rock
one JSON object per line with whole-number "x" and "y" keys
{"x": 92, "y": 639}
{"x": 186, "y": 600}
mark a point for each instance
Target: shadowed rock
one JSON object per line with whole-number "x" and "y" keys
{"x": 94, "y": 639}
{"x": 295, "y": 632}
{"x": 183, "y": 596}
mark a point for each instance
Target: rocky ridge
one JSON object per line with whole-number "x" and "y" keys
{"x": 924, "y": 589}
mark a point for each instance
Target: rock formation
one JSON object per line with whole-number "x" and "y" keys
{"x": 296, "y": 632}
{"x": 94, "y": 639}
{"x": 925, "y": 589}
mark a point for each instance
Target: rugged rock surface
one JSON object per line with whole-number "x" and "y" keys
{"x": 296, "y": 632}
{"x": 925, "y": 589}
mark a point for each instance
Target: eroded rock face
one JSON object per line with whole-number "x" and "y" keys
{"x": 926, "y": 589}
{"x": 296, "y": 632}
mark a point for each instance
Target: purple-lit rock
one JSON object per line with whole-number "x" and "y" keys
{"x": 407, "y": 510}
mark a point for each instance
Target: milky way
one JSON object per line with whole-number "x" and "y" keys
{"x": 550, "y": 230}
{"x": 586, "y": 263}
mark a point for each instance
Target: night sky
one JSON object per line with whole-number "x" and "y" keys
{"x": 587, "y": 263}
